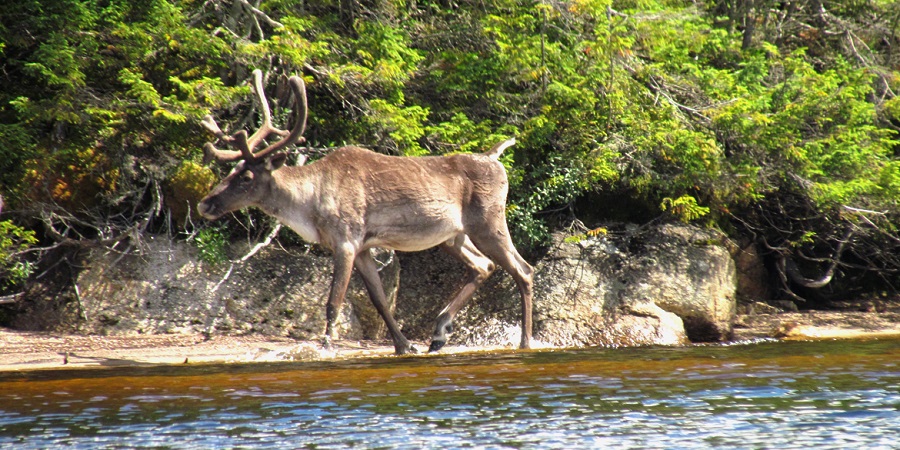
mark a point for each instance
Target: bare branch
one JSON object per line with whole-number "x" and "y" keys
{"x": 10, "y": 299}
{"x": 863, "y": 211}
{"x": 265, "y": 17}
{"x": 253, "y": 251}
{"x": 63, "y": 240}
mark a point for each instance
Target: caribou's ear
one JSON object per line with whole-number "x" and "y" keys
{"x": 276, "y": 160}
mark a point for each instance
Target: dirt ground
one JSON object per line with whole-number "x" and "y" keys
{"x": 22, "y": 351}
{"x": 25, "y": 350}
{"x": 818, "y": 325}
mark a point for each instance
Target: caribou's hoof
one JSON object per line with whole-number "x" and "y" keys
{"x": 407, "y": 350}
{"x": 441, "y": 332}
{"x": 436, "y": 345}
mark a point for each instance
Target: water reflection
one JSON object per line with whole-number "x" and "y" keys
{"x": 834, "y": 394}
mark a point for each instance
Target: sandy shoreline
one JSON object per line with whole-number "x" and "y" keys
{"x": 24, "y": 350}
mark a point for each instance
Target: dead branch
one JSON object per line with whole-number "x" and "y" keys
{"x": 260, "y": 14}
{"x": 788, "y": 270}
{"x": 10, "y": 299}
{"x": 62, "y": 238}
{"x": 253, "y": 251}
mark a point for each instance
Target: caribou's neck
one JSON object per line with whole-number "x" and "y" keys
{"x": 291, "y": 201}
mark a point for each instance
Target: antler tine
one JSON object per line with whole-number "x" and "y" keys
{"x": 296, "y": 135}
{"x": 210, "y": 153}
{"x": 238, "y": 140}
{"x": 266, "y": 128}
{"x": 246, "y": 144}
{"x": 210, "y": 124}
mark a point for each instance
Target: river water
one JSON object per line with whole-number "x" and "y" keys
{"x": 828, "y": 394}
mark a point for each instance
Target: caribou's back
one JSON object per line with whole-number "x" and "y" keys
{"x": 404, "y": 203}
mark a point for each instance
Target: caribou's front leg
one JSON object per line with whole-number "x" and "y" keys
{"x": 343, "y": 268}
{"x": 368, "y": 270}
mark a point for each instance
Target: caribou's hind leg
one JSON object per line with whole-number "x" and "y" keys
{"x": 495, "y": 243}
{"x": 478, "y": 269}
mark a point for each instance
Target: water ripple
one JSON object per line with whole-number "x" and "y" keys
{"x": 768, "y": 395}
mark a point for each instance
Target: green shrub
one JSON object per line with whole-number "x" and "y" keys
{"x": 14, "y": 267}
{"x": 211, "y": 244}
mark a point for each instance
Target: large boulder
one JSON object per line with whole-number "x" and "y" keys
{"x": 687, "y": 271}
{"x": 589, "y": 297}
{"x": 661, "y": 285}
{"x": 576, "y": 303}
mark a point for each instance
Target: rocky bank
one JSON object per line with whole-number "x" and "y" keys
{"x": 659, "y": 285}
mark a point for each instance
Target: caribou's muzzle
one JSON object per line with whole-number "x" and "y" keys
{"x": 208, "y": 210}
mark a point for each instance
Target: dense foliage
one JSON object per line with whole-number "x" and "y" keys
{"x": 774, "y": 121}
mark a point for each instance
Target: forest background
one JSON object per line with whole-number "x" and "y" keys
{"x": 773, "y": 121}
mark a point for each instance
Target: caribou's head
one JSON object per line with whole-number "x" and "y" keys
{"x": 251, "y": 180}
{"x": 248, "y": 184}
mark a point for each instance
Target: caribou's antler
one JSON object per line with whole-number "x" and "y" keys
{"x": 244, "y": 144}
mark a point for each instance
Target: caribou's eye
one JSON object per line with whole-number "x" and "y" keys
{"x": 246, "y": 177}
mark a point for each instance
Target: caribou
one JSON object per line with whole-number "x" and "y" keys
{"x": 354, "y": 200}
